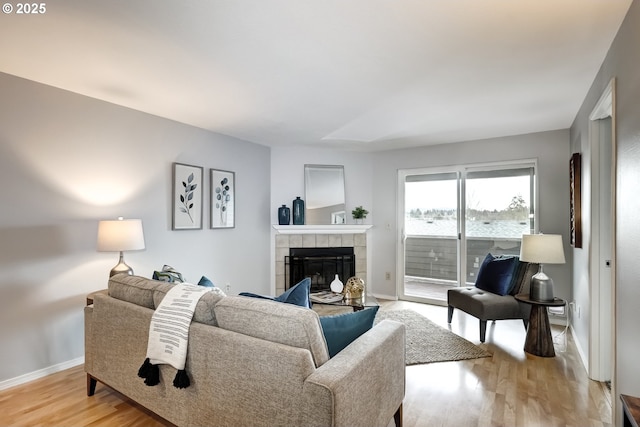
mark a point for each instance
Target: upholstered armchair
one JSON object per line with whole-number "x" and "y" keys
{"x": 492, "y": 297}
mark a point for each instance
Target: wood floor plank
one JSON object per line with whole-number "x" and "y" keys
{"x": 510, "y": 389}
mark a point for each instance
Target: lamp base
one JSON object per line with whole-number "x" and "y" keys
{"x": 541, "y": 288}
{"x": 121, "y": 267}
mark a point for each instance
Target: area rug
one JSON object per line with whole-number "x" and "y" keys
{"x": 428, "y": 343}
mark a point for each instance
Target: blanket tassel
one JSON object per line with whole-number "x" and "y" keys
{"x": 182, "y": 379}
{"x": 153, "y": 377}
{"x": 143, "y": 372}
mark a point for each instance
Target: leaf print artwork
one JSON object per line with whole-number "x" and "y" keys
{"x": 223, "y": 188}
{"x": 187, "y": 198}
{"x": 223, "y": 196}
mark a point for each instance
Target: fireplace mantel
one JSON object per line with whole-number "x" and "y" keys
{"x": 323, "y": 229}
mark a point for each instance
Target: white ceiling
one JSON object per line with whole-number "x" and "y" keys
{"x": 362, "y": 74}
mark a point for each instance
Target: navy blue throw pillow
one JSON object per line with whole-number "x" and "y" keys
{"x": 496, "y": 274}
{"x": 341, "y": 330}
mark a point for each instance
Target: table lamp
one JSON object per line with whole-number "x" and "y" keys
{"x": 118, "y": 236}
{"x": 542, "y": 249}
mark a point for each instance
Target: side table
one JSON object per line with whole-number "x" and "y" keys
{"x": 90, "y": 296}
{"x": 631, "y": 409}
{"x": 539, "y": 341}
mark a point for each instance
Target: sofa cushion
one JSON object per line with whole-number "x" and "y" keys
{"x": 496, "y": 274}
{"x": 149, "y": 293}
{"x": 135, "y": 289}
{"x": 341, "y": 329}
{"x": 282, "y": 323}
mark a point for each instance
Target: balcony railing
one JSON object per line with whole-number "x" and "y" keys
{"x": 435, "y": 258}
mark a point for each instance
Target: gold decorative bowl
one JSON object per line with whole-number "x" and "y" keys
{"x": 354, "y": 288}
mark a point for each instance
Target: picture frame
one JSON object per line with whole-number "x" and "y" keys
{"x": 223, "y": 198}
{"x": 575, "y": 200}
{"x": 187, "y": 197}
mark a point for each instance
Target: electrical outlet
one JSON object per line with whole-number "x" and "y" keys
{"x": 387, "y": 275}
{"x": 227, "y": 287}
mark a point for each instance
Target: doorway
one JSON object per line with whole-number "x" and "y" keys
{"x": 602, "y": 331}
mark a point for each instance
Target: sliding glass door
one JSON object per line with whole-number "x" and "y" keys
{"x": 431, "y": 226}
{"x": 498, "y": 211}
{"x": 449, "y": 219}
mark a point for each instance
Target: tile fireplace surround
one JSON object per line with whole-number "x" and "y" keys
{"x": 326, "y": 237}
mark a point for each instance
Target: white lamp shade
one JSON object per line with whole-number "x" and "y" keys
{"x": 542, "y": 249}
{"x": 120, "y": 235}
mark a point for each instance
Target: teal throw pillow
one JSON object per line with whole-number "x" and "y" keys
{"x": 496, "y": 274}
{"x": 204, "y": 281}
{"x": 297, "y": 295}
{"x": 341, "y": 330}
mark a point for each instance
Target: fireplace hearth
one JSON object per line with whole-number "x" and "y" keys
{"x": 319, "y": 264}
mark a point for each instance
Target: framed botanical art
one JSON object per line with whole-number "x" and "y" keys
{"x": 575, "y": 200}
{"x": 187, "y": 197}
{"x": 223, "y": 198}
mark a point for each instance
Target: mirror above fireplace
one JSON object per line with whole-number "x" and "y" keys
{"x": 324, "y": 195}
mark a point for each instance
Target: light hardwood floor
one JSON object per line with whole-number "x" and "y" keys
{"x": 510, "y": 388}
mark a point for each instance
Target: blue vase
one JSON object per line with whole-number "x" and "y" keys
{"x": 283, "y": 215}
{"x": 298, "y": 211}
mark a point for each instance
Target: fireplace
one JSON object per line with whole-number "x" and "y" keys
{"x": 319, "y": 264}
{"x": 314, "y": 237}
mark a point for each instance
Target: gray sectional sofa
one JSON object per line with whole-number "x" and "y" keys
{"x": 251, "y": 362}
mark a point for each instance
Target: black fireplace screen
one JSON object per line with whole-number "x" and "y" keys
{"x": 319, "y": 264}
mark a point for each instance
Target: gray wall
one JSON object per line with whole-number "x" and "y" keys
{"x": 67, "y": 161}
{"x": 622, "y": 62}
{"x": 550, "y": 148}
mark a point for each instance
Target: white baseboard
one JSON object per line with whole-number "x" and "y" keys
{"x": 387, "y": 297}
{"x": 581, "y": 352}
{"x": 12, "y": 382}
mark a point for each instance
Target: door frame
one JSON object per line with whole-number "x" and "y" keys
{"x": 605, "y": 107}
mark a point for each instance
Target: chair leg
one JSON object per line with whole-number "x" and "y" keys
{"x": 397, "y": 417}
{"x": 91, "y": 385}
{"x": 450, "y": 316}
{"x": 483, "y": 330}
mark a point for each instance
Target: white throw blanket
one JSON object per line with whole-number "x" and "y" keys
{"x": 169, "y": 333}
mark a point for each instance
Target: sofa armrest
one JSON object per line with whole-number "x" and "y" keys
{"x": 363, "y": 385}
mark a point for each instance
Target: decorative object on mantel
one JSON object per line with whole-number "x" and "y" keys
{"x": 222, "y": 198}
{"x": 284, "y": 215}
{"x": 336, "y": 285}
{"x": 118, "y": 236}
{"x": 298, "y": 211}
{"x": 359, "y": 214}
{"x": 354, "y": 288}
{"x": 187, "y": 197}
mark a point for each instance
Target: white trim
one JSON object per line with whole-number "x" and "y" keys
{"x": 385, "y": 297}
{"x": 601, "y": 362}
{"x": 323, "y": 229}
{"x": 12, "y": 382}
{"x": 581, "y": 352}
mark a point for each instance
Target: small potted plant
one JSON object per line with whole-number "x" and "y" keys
{"x": 359, "y": 214}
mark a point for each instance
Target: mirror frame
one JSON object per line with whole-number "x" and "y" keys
{"x": 316, "y": 190}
